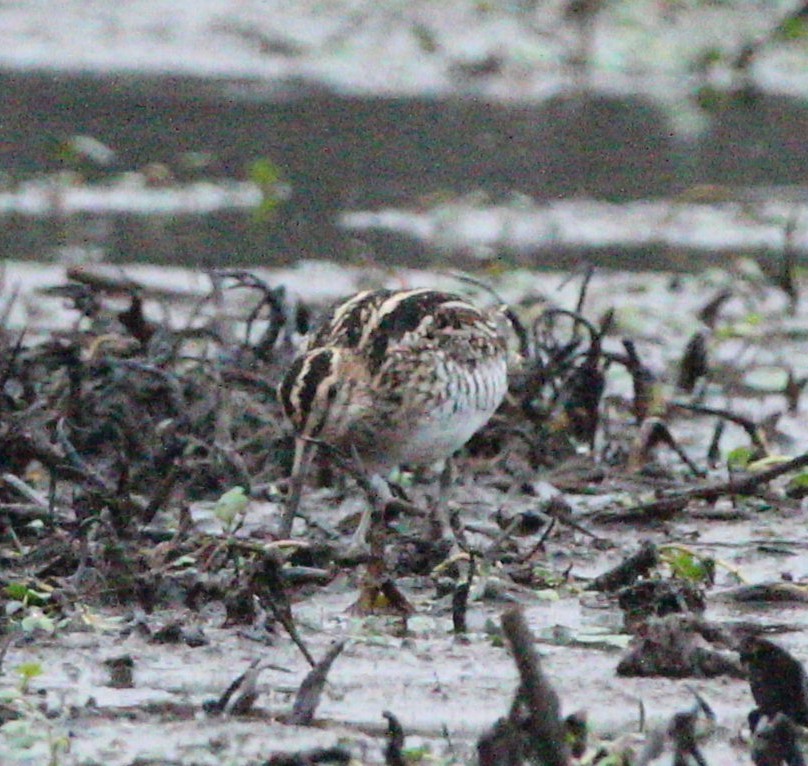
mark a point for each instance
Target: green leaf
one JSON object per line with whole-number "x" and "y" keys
{"x": 415, "y": 754}
{"x": 740, "y": 457}
{"x": 800, "y": 480}
{"x": 793, "y": 28}
{"x": 264, "y": 173}
{"x": 267, "y": 176}
{"x": 748, "y": 327}
{"x": 797, "y": 486}
{"x": 29, "y": 670}
{"x": 613, "y": 759}
{"x": 231, "y": 505}
{"x": 690, "y": 567}
{"x": 21, "y": 592}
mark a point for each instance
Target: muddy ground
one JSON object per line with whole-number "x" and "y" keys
{"x": 104, "y": 557}
{"x": 138, "y": 581}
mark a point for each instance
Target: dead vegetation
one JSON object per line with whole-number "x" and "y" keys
{"x": 113, "y": 430}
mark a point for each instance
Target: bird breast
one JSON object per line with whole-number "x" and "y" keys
{"x": 398, "y": 377}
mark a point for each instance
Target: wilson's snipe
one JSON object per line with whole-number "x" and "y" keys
{"x": 396, "y": 376}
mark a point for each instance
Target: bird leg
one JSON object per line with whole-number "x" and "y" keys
{"x": 439, "y": 517}
{"x": 303, "y": 454}
{"x": 379, "y": 495}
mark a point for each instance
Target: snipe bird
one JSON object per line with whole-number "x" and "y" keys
{"x": 395, "y": 377}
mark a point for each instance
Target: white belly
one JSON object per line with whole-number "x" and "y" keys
{"x": 469, "y": 403}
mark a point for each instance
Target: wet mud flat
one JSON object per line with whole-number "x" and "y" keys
{"x": 139, "y": 582}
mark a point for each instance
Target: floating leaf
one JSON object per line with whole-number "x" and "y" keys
{"x": 267, "y": 176}
{"x": 264, "y": 173}
{"x": 196, "y": 160}
{"x": 604, "y": 641}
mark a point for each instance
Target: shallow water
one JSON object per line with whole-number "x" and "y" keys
{"x": 392, "y": 180}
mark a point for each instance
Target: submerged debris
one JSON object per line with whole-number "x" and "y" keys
{"x": 678, "y": 646}
{"x": 393, "y": 755}
{"x": 121, "y": 675}
{"x": 685, "y": 734}
{"x": 636, "y": 565}
{"x": 240, "y": 695}
{"x": 308, "y": 695}
{"x": 778, "y": 681}
{"x": 658, "y": 597}
{"x": 533, "y": 730}
{"x": 776, "y": 742}
{"x": 338, "y": 755}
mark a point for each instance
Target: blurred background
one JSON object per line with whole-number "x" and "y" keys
{"x": 479, "y": 133}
